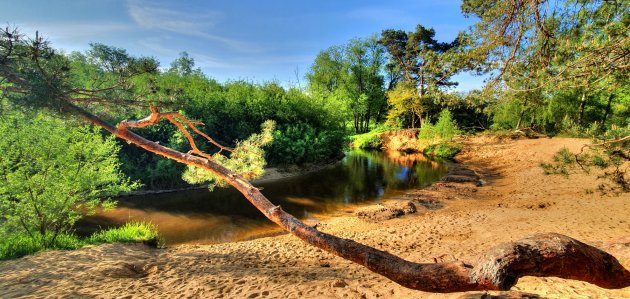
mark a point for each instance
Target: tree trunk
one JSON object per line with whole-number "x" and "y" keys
{"x": 607, "y": 112}
{"x": 582, "y": 106}
{"x": 522, "y": 114}
{"x": 498, "y": 269}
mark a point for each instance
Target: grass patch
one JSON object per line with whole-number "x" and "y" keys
{"x": 16, "y": 245}
{"x": 562, "y": 160}
{"x": 444, "y": 150}
{"x": 129, "y": 233}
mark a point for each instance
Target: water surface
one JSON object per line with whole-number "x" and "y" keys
{"x": 224, "y": 215}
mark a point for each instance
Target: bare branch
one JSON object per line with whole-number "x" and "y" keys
{"x": 174, "y": 118}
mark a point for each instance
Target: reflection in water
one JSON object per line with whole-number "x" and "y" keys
{"x": 223, "y": 215}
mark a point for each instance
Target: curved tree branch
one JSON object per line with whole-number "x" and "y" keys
{"x": 497, "y": 269}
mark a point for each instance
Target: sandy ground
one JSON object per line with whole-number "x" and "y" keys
{"x": 517, "y": 200}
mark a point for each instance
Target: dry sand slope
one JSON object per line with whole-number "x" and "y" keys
{"x": 517, "y": 201}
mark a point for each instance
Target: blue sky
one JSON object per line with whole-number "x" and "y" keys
{"x": 252, "y": 40}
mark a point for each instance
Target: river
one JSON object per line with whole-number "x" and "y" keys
{"x": 224, "y": 215}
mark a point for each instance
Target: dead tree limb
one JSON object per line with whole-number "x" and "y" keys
{"x": 498, "y": 269}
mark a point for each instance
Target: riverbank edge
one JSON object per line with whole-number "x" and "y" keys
{"x": 271, "y": 174}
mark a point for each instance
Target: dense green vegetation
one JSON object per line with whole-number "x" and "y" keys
{"x": 52, "y": 174}
{"x": 15, "y": 245}
{"x": 553, "y": 67}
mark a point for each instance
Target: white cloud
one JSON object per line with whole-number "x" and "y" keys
{"x": 169, "y": 18}
{"x": 159, "y": 47}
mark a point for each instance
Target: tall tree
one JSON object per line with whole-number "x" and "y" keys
{"x": 553, "y": 46}
{"x": 424, "y": 62}
{"x": 31, "y": 73}
{"x": 184, "y": 65}
{"x": 352, "y": 75}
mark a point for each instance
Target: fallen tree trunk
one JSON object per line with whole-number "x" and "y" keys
{"x": 499, "y": 268}
{"x": 24, "y": 75}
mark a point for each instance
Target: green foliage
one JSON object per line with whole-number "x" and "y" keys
{"x": 562, "y": 160}
{"x": 436, "y": 139}
{"x": 407, "y": 107}
{"x": 130, "y": 232}
{"x": 351, "y": 77}
{"x": 560, "y": 65}
{"x": 247, "y": 159}
{"x": 371, "y": 140}
{"x": 424, "y": 68}
{"x": 301, "y": 143}
{"x": 446, "y": 128}
{"x": 505, "y": 114}
{"x": 16, "y": 245}
{"x": 442, "y": 131}
{"x": 54, "y": 174}
{"x": 444, "y": 150}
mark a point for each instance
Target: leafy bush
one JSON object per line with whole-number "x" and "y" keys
{"x": 436, "y": 139}
{"x": 443, "y": 130}
{"x": 53, "y": 174}
{"x": 302, "y": 143}
{"x": 444, "y": 150}
{"x": 446, "y": 128}
{"x": 371, "y": 140}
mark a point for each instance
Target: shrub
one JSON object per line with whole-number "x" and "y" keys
{"x": 303, "y": 143}
{"x": 53, "y": 174}
{"x": 371, "y": 140}
{"x": 436, "y": 139}
{"x": 444, "y": 150}
{"x": 443, "y": 130}
{"x": 446, "y": 128}
{"x": 561, "y": 162}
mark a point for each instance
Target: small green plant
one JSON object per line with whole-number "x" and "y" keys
{"x": 562, "y": 160}
{"x": 443, "y": 150}
{"x": 436, "y": 140}
{"x": 599, "y": 161}
{"x": 371, "y": 140}
{"x": 446, "y": 127}
{"x": 130, "y": 232}
{"x": 16, "y": 245}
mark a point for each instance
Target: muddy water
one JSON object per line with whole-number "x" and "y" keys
{"x": 224, "y": 215}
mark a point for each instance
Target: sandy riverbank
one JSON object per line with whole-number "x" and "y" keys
{"x": 517, "y": 200}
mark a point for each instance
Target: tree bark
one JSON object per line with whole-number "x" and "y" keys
{"x": 581, "y": 110}
{"x": 498, "y": 269}
{"x": 607, "y": 112}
